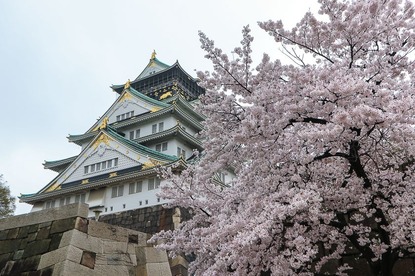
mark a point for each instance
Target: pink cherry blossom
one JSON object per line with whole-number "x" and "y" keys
{"x": 322, "y": 150}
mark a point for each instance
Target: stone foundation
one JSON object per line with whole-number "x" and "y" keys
{"x": 63, "y": 241}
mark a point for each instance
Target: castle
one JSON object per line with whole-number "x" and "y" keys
{"x": 151, "y": 123}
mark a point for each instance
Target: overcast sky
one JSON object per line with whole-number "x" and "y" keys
{"x": 59, "y": 58}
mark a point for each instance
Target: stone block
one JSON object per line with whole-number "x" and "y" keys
{"x": 132, "y": 238}
{"x": 62, "y": 225}
{"x": 36, "y": 248}
{"x": 114, "y": 246}
{"x": 69, "y": 268}
{"x": 23, "y": 232}
{"x": 7, "y": 268}
{"x": 69, "y": 252}
{"x": 43, "y": 233}
{"x": 4, "y": 258}
{"x": 27, "y": 264}
{"x": 45, "y": 224}
{"x": 82, "y": 241}
{"x": 119, "y": 259}
{"x": 55, "y": 240}
{"x": 18, "y": 255}
{"x": 179, "y": 260}
{"x": 81, "y": 224}
{"x": 12, "y": 234}
{"x": 46, "y": 271}
{"x": 105, "y": 270}
{"x": 107, "y": 231}
{"x": 88, "y": 259}
{"x": 157, "y": 269}
{"x": 101, "y": 259}
{"x": 8, "y": 246}
{"x": 33, "y": 228}
{"x": 146, "y": 255}
{"x": 3, "y": 235}
{"x": 39, "y": 217}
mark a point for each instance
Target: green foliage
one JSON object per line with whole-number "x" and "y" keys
{"x": 7, "y": 202}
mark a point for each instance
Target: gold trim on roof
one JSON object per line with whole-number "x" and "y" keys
{"x": 85, "y": 181}
{"x": 155, "y": 109}
{"x": 55, "y": 186}
{"x": 103, "y": 138}
{"x": 126, "y": 96}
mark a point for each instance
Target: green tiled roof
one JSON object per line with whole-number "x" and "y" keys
{"x": 147, "y": 98}
{"x": 172, "y": 131}
{"x": 139, "y": 147}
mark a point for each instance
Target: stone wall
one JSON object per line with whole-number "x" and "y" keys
{"x": 152, "y": 220}
{"x": 148, "y": 220}
{"x": 62, "y": 241}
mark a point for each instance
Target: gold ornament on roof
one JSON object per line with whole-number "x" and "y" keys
{"x": 85, "y": 181}
{"x": 103, "y": 124}
{"x": 127, "y": 84}
{"x": 166, "y": 95}
{"x": 153, "y": 54}
{"x": 147, "y": 165}
{"x": 114, "y": 174}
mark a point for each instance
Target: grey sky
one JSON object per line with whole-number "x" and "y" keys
{"x": 58, "y": 59}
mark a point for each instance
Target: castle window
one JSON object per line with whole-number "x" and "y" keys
{"x": 49, "y": 204}
{"x": 153, "y": 183}
{"x": 181, "y": 152}
{"x": 101, "y": 166}
{"x": 80, "y": 198}
{"x": 161, "y": 147}
{"x": 137, "y": 133}
{"x": 127, "y": 115}
{"x": 131, "y": 135}
{"x": 146, "y": 201}
{"x": 140, "y": 203}
{"x": 160, "y": 127}
{"x": 117, "y": 191}
{"x": 65, "y": 201}
{"x": 136, "y": 187}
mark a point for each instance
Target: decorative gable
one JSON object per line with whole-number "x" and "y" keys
{"x": 131, "y": 103}
{"x": 104, "y": 157}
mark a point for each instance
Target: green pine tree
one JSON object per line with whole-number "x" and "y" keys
{"x": 7, "y": 202}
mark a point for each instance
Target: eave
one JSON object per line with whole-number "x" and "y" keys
{"x": 97, "y": 182}
{"x": 57, "y": 165}
{"x": 174, "y": 131}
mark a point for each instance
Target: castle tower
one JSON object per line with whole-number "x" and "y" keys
{"x": 151, "y": 123}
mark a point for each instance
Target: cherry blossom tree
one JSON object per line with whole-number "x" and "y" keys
{"x": 322, "y": 149}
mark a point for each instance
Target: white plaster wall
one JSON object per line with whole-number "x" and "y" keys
{"x": 124, "y": 107}
{"x": 131, "y": 201}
